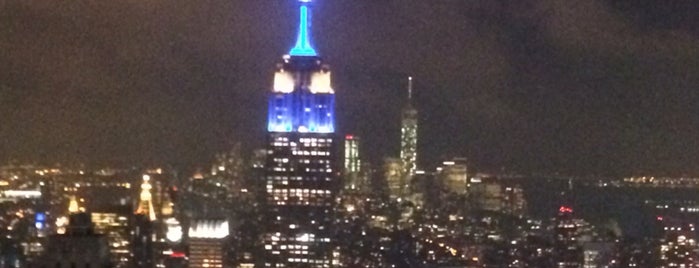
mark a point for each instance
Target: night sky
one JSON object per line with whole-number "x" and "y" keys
{"x": 577, "y": 87}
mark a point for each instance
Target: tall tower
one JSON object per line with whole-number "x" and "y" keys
{"x": 143, "y": 233}
{"x": 300, "y": 171}
{"x": 408, "y": 145}
{"x": 145, "y": 202}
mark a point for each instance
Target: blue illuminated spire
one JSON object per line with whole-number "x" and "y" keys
{"x": 303, "y": 44}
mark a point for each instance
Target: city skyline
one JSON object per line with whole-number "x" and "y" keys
{"x": 172, "y": 152}
{"x": 594, "y": 87}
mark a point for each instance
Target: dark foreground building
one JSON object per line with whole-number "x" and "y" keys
{"x": 79, "y": 247}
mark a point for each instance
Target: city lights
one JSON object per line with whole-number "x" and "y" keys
{"x": 462, "y": 135}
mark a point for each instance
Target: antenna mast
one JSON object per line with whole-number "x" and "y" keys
{"x": 410, "y": 87}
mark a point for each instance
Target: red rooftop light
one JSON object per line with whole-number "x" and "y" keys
{"x": 177, "y": 254}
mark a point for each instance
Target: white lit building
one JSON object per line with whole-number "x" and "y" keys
{"x": 207, "y": 239}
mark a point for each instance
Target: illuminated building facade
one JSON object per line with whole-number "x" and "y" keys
{"x": 354, "y": 178}
{"x": 514, "y": 201}
{"x": 206, "y": 243}
{"x": 144, "y": 231}
{"x": 73, "y": 206}
{"x": 408, "y": 145}
{"x": 486, "y": 193}
{"x": 567, "y": 251}
{"x": 678, "y": 247}
{"x": 228, "y": 172}
{"x": 300, "y": 170}
{"x": 115, "y": 226}
{"x": 145, "y": 203}
{"x": 395, "y": 179}
{"x": 353, "y": 163}
{"x": 455, "y": 175}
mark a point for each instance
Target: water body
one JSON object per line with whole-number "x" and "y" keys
{"x": 599, "y": 205}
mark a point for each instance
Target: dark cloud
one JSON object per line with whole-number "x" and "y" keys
{"x": 571, "y": 86}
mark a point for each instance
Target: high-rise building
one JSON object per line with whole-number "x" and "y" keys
{"x": 567, "y": 251}
{"x": 395, "y": 179}
{"x": 486, "y": 193}
{"x": 300, "y": 173}
{"x": 207, "y": 240}
{"x": 678, "y": 247}
{"x": 454, "y": 174}
{"x": 514, "y": 202}
{"x": 142, "y": 242}
{"x": 114, "y": 224}
{"x": 355, "y": 181}
{"x": 227, "y": 171}
{"x": 408, "y": 145}
{"x": 172, "y": 228}
{"x": 145, "y": 202}
{"x": 353, "y": 163}
{"x": 144, "y": 232}
{"x": 80, "y": 246}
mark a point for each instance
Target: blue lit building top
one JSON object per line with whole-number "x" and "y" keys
{"x": 302, "y": 99}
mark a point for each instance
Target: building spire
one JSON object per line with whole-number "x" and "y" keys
{"x": 410, "y": 87}
{"x": 408, "y": 152}
{"x": 303, "y": 45}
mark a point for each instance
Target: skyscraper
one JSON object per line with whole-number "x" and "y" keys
{"x": 143, "y": 232}
{"x": 454, "y": 174}
{"x": 80, "y": 246}
{"x": 145, "y": 202}
{"x": 300, "y": 173}
{"x": 206, "y": 243}
{"x": 114, "y": 224}
{"x": 395, "y": 179}
{"x": 353, "y": 163}
{"x": 408, "y": 145}
{"x": 567, "y": 251}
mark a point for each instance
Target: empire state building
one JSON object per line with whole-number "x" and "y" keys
{"x": 301, "y": 168}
